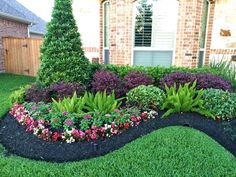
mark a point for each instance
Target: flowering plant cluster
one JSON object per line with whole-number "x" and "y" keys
{"x": 98, "y": 126}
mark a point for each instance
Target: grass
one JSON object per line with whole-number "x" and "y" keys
{"x": 10, "y": 83}
{"x": 173, "y": 151}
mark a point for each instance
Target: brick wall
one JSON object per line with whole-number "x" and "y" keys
{"x": 188, "y": 33}
{"x": 120, "y": 44}
{"x": 13, "y": 29}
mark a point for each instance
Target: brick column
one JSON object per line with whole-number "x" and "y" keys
{"x": 188, "y": 33}
{"x": 209, "y": 32}
{"x": 120, "y": 32}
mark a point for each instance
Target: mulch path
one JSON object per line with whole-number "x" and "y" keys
{"x": 19, "y": 142}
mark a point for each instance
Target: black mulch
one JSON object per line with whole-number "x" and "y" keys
{"x": 17, "y": 141}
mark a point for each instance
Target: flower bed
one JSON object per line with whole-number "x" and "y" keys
{"x": 43, "y": 129}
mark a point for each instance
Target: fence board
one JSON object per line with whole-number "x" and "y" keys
{"x": 22, "y": 55}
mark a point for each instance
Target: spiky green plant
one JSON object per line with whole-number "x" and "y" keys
{"x": 74, "y": 104}
{"x": 184, "y": 99}
{"x": 101, "y": 102}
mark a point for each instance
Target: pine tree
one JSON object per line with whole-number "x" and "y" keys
{"x": 62, "y": 56}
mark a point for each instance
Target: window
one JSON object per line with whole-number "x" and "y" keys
{"x": 106, "y": 28}
{"x": 143, "y": 25}
{"x": 154, "y": 34}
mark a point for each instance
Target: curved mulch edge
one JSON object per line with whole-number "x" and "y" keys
{"x": 19, "y": 142}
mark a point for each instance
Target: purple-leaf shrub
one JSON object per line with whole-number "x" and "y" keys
{"x": 57, "y": 91}
{"x": 178, "y": 78}
{"x": 37, "y": 94}
{"x": 204, "y": 81}
{"x": 105, "y": 80}
{"x": 65, "y": 89}
{"x": 135, "y": 79}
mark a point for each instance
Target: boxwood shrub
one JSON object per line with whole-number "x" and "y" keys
{"x": 220, "y": 103}
{"x": 145, "y": 97}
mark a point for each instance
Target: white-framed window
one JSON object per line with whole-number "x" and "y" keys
{"x": 106, "y": 28}
{"x": 155, "y": 25}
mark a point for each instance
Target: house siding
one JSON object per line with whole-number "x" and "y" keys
{"x": 10, "y": 29}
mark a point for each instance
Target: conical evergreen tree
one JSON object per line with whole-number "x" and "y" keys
{"x": 62, "y": 56}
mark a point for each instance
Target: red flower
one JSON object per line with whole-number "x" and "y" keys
{"x": 126, "y": 125}
{"x": 121, "y": 125}
{"x": 56, "y": 136}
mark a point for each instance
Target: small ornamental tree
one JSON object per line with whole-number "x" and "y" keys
{"x": 62, "y": 56}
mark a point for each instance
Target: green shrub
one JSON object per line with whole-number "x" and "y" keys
{"x": 18, "y": 96}
{"x": 157, "y": 72}
{"x": 69, "y": 105}
{"x": 184, "y": 99}
{"x": 221, "y": 104}
{"x": 101, "y": 102}
{"x": 227, "y": 70}
{"x": 145, "y": 97}
{"x": 62, "y": 56}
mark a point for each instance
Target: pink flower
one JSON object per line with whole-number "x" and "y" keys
{"x": 113, "y": 124}
{"x": 88, "y": 131}
{"x": 107, "y": 115}
{"x": 33, "y": 107}
{"x": 87, "y": 116}
{"x": 93, "y": 136}
{"x": 93, "y": 127}
{"x": 69, "y": 122}
{"x": 116, "y": 110}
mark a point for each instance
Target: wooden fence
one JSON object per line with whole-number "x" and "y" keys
{"x": 22, "y": 55}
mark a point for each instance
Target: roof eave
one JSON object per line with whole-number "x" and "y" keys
{"x": 36, "y": 32}
{"x": 14, "y": 18}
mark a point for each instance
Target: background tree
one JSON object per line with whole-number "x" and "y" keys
{"x": 62, "y": 56}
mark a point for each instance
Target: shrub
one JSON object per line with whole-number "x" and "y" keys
{"x": 101, "y": 102}
{"x": 135, "y": 79}
{"x": 62, "y": 56}
{"x": 38, "y": 93}
{"x": 204, "y": 81}
{"x": 18, "y": 96}
{"x": 105, "y": 80}
{"x": 184, "y": 99}
{"x": 145, "y": 97}
{"x": 69, "y": 105}
{"x": 221, "y": 104}
{"x": 62, "y": 90}
{"x": 177, "y": 78}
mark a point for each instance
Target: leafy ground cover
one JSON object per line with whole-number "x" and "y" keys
{"x": 10, "y": 83}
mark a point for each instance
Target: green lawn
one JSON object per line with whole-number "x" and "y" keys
{"x": 173, "y": 151}
{"x": 9, "y": 83}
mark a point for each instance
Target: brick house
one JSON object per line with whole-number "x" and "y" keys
{"x": 17, "y": 21}
{"x": 163, "y": 32}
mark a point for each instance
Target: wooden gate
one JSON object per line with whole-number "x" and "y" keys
{"x": 22, "y": 55}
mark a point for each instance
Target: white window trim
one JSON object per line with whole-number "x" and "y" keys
{"x": 151, "y": 48}
{"x": 103, "y": 32}
{"x": 206, "y": 36}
